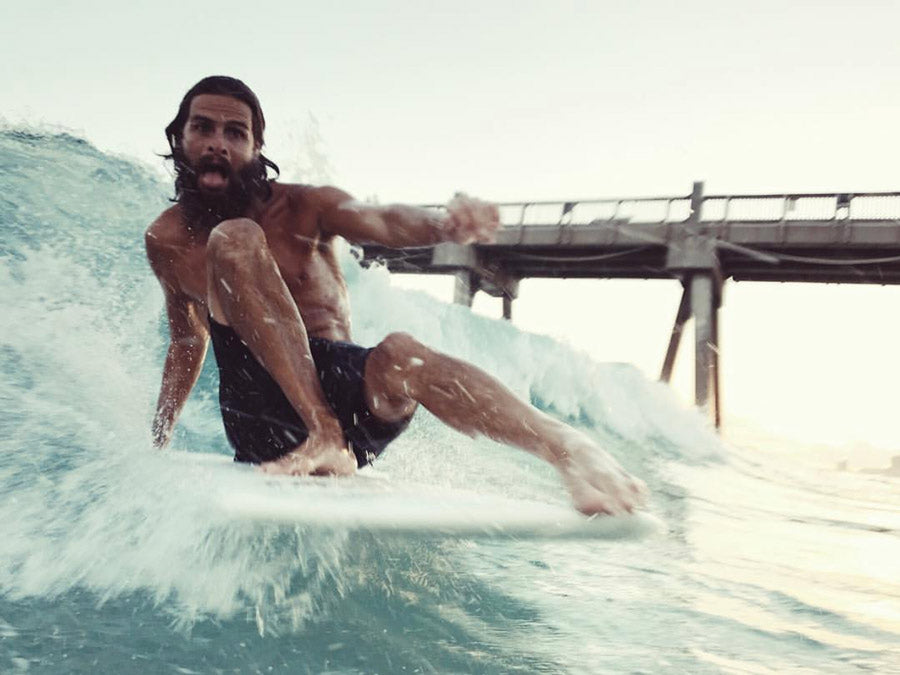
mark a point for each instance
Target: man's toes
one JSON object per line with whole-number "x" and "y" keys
{"x": 343, "y": 464}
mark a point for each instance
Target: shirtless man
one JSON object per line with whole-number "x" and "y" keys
{"x": 251, "y": 263}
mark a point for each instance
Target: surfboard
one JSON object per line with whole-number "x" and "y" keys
{"x": 372, "y": 501}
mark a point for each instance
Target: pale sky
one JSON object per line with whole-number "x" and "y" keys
{"x": 541, "y": 100}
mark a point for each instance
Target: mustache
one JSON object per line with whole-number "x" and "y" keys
{"x": 210, "y": 163}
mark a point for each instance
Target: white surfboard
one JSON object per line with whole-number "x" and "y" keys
{"x": 373, "y": 502}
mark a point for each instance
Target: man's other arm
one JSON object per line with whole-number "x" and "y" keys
{"x": 464, "y": 221}
{"x": 188, "y": 340}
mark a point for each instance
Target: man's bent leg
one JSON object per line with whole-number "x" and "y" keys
{"x": 246, "y": 291}
{"x": 401, "y": 371}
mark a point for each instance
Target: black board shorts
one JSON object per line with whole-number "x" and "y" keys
{"x": 260, "y": 422}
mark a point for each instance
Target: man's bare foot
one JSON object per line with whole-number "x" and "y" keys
{"x": 596, "y": 481}
{"x": 314, "y": 458}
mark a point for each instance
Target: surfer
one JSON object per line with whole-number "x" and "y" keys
{"x": 250, "y": 263}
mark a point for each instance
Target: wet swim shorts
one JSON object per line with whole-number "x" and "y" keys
{"x": 260, "y": 422}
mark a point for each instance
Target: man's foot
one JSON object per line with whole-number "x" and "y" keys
{"x": 596, "y": 481}
{"x": 314, "y": 461}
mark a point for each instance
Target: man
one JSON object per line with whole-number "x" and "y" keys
{"x": 251, "y": 263}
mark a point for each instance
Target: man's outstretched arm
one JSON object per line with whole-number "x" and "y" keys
{"x": 465, "y": 220}
{"x": 188, "y": 340}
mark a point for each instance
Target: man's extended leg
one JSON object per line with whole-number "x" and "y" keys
{"x": 401, "y": 371}
{"x": 245, "y": 290}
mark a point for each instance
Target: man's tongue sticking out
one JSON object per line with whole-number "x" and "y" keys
{"x": 212, "y": 173}
{"x": 212, "y": 180}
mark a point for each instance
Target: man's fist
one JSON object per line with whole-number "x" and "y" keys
{"x": 471, "y": 220}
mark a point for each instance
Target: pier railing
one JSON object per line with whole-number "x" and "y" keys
{"x": 769, "y": 208}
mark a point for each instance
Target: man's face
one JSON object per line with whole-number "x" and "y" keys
{"x": 217, "y": 141}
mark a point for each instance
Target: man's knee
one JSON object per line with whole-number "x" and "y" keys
{"x": 234, "y": 238}
{"x": 395, "y": 363}
{"x": 391, "y": 376}
{"x": 400, "y": 351}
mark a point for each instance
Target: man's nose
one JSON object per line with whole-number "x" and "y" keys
{"x": 216, "y": 144}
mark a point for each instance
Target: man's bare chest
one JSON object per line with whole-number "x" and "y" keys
{"x": 298, "y": 256}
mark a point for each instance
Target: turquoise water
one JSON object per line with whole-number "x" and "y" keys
{"x": 111, "y": 560}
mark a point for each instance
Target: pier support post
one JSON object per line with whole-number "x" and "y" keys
{"x": 465, "y": 288}
{"x": 507, "y": 287}
{"x": 497, "y": 283}
{"x": 703, "y": 307}
{"x": 684, "y": 313}
{"x": 701, "y": 299}
{"x": 717, "y": 397}
{"x": 474, "y": 272}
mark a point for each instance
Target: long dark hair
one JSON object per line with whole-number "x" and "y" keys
{"x": 221, "y": 85}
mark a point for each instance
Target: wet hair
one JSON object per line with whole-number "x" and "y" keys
{"x": 220, "y": 85}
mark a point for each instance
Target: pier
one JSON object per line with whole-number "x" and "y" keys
{"x": 701, "y": 240}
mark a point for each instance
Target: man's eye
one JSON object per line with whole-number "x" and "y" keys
{"x": 237, "y": 133}
{"x": 200, "y": 126}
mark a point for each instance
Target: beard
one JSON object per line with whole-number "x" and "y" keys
{"x": 206, "y": 208}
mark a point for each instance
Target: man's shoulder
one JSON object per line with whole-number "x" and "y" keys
{"x": 168, "y": 228}
{"x": 301, "y": 196}
{"x": 297, "y": 195}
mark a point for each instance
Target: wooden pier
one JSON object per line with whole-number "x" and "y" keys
{"x": 701, "y": 240}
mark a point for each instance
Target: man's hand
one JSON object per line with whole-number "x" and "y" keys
{"x": 471, "y": 220}
{"x": 322, "y": 454}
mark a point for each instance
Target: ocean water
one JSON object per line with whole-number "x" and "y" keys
{"x": 112, "y": 561}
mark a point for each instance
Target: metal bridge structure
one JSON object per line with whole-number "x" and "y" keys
{"x": 701, "y": 240}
